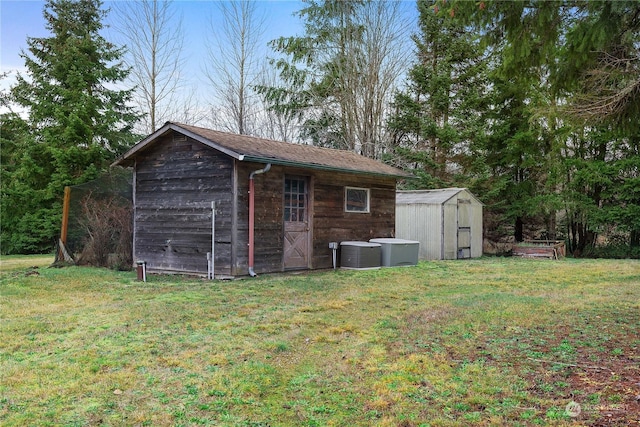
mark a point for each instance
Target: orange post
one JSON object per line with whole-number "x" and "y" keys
{"x": 65, "y": 214}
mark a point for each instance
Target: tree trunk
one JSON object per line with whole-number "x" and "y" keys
{"x": 551, "y": 226}
{"x": 519, "y": 232}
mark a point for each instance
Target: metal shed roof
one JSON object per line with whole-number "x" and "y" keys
{"x": 431, "y": 197}
{"x": 260, "y": 150}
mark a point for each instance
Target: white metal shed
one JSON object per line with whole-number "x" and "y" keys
{"x": 447, "y": 222}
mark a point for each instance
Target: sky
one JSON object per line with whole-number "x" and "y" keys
{"x": 20, "y": 19}
{"x": 17, "y": 20}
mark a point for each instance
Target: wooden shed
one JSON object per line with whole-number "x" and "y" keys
{"x": 257, "y": 205}
{"x": 447, "y": 222}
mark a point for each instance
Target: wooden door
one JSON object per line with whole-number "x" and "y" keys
{"x": 296, "y": 223}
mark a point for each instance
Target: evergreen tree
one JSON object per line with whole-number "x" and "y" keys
{"x": 584, "y": 59}
{"x": 519, "y": 153}
{"x": 337, "y": 77}
{"x": 437, "y": 120}
{"x": 78, "y": 123}
{"x": 20, "y": 206}
{"x": 599, "y": 71}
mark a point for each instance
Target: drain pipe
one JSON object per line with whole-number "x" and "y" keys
{"x": 252, "y": 215}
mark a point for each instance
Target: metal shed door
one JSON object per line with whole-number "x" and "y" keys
{"x": 296, "y": 222}
{"x": 464, "y": 228}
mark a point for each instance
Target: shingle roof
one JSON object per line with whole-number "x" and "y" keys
{"x": 249, "y": 148}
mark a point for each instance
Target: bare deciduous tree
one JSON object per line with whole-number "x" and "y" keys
{"x": 154, "y": 38}
{"x": 233, "y": 65}
{"x": 383, "y": 61}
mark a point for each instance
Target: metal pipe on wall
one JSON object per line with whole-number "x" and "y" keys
{"x": 213, "y": 240}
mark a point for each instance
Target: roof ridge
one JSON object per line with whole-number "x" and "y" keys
{"x": 238, "y": 135}
{"x": 264, "y": 150}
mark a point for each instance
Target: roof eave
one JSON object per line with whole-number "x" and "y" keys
{"x": 283, "y": 162}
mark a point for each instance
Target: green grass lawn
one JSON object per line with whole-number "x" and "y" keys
{"x": 494, "y": 341}
{"x": 13, "y": 262}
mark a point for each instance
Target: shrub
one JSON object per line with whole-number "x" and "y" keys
{"x": 107, "y": 226}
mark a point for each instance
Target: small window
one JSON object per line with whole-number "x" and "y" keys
{"x": 295, "y": 196}
{"x": 356, "y": 199}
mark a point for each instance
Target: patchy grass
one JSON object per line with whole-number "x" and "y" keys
{"x": 13, "y": 262}
{"x": 484, "y": 342}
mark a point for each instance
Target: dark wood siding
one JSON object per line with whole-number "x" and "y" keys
{"x": 332, "y": 224}
{"x": 176, "y": 181}
{"x": 177, "y": 178}
{"x": 329, "y": 221}
{"x": 268, "y": 224}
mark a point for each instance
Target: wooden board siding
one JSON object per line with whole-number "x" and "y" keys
{"x": 176, "y": 181}
{"x": 332, "y": 224}
{"x": 329, "y": 222}
{"x": 177, "y": 178}
{"x": 268, "y": 228}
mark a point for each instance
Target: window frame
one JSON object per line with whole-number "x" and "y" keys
{"x": 346, "y": 200}
{"x": 296, "y": 207}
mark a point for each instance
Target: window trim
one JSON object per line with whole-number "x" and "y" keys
{"x": 368, "y": 193}
{"x": 297, "y": 207}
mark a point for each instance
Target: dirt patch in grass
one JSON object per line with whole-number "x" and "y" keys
{"x": 602, "y": 374}
{"x": 539, "y": 359}
{"x": 591, "y": 364}
{"x": 610, "y": 392}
